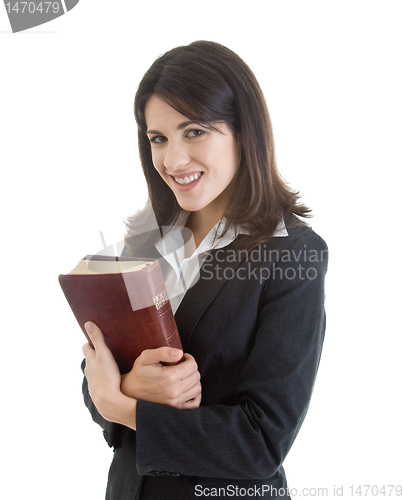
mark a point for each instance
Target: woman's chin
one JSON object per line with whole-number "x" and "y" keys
{"x": 189, "y": 206}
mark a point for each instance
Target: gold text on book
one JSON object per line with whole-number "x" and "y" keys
{"x": 160, "y": 300}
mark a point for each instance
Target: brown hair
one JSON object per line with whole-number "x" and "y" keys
{"x": 208, "y": 83}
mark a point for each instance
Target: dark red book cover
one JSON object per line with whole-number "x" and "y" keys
{"x": 131, "y": 308}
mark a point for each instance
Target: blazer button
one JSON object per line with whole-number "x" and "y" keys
{"x": 154, "y": 473}
{"x": 165, "y": 474}
{"x": 175, "y": 474}
{"x": 105, "y": 434}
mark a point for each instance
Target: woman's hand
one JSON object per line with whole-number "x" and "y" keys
{"x": 176, "y": 385}
{"x": 104, "y": 381}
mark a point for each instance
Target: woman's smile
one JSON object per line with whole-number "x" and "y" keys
{"x": 188, "y": 178}
{"x": 196, "y": 161}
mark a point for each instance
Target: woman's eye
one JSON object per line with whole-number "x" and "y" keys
{"x": 195, "y": 133}
{"x": 158, "y": 139}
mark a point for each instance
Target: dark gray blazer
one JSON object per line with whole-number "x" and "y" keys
{"x": 255, "y": 325}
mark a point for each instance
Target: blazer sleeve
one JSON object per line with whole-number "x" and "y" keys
{"x": 250, "y": 439}
{"x": 110, "y": 430}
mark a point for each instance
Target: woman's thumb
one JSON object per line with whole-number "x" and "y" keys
{"x": 94, "y": 333}
{"x": 161, "y": 355}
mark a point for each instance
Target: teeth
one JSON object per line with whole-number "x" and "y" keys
{"x": 187, "y": 180}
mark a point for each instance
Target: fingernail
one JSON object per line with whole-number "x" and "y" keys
{"x": 175, "y": 353}
{"x": 89, "y": 327}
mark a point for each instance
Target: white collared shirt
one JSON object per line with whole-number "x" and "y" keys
{"x": 185, "y": 270}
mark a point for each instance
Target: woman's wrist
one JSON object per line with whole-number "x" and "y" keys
{"x": 122, "y": 411}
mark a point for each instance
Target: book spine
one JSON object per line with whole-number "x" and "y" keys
{"x": 150, "y": 292}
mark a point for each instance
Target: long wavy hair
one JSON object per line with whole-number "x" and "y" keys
{"x": 208, "y": 83}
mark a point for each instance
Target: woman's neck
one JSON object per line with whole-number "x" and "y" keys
{"x": 200, "y": 224}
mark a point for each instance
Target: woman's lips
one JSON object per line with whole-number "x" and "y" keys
{"x": 187, "y": 179}
{"x": 186, "y": 182}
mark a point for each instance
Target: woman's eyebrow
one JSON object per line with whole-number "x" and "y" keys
{"x": 180, "y": 127}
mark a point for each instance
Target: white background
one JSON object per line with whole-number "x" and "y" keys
{"x": 333, "y": 79}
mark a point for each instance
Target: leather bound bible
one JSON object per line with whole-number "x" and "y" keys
{"x": 127, "y": 299}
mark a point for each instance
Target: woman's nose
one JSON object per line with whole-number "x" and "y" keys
{"x": 176, "y": 157}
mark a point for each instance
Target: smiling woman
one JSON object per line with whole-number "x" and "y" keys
{"x": 197, "y": 163}
{"x": 210, "y": 86}
{"x": 252, "y": 325}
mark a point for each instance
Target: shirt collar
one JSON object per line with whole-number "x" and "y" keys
{"x": 173, "y": 240}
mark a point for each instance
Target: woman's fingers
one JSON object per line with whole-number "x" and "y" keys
{"x": 169, "y": 374}
{"x": 169, "y": 384}
{"x": 101, "y": 369}
{"x": 95, "y": 334}
{"x": 194, "y": 393}
{"x": 191, "y": 381}
{"x": 184, "y": 391}
{"x": 88, "y": 350}
{"x": 193, "y": 403}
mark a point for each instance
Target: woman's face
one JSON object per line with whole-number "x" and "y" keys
{"x": 197, "y": 163}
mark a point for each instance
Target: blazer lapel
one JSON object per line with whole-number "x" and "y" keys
{"x": 198, "y": 298}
